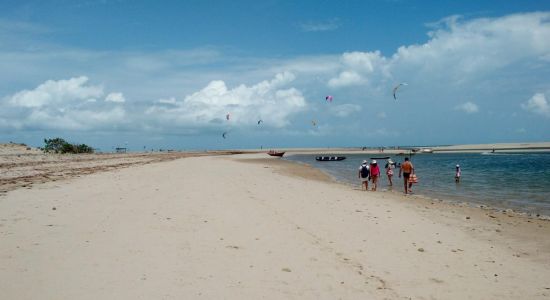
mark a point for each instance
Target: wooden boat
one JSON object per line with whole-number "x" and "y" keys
{"x": 329, "y": 158}
{"x": 276, "y": 153}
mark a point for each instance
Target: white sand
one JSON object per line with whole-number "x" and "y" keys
{"x": 214, "y": 227}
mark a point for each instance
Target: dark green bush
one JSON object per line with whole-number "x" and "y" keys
{"x": 59, "y": 145}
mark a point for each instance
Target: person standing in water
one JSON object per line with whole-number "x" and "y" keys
{"x": 457, "y": 174}
{"x": 374, "y": 174}
{"x": 406, "y": 169}
{"x": 364, "y": 175}
{"x": 390, "y": 165}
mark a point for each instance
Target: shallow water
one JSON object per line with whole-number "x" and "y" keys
{"x": 520, "y": 181}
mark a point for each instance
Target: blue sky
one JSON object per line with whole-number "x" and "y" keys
{"x": 164, "y": 74}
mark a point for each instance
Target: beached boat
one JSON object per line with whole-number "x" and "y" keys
{"x": 329, "y": 158}
{"x": 427, "y": 150}
{"x": 276, "y": 153}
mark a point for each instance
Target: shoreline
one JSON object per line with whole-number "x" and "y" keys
{"x": 457, "y": 200}
{"x": 294, "y": 167}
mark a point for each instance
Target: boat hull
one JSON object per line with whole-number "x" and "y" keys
{"x": 330, "y": 158}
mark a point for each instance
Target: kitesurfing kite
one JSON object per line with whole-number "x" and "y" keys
{"x": 395, "y": 89}
{"x": 328, "y": 98}
{"x": 313, "y": 122}
{"x": 260, "y": 121}
{"x": 224, "y": 134}
{"x": 227, "y": 116}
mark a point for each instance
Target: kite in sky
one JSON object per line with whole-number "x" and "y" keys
{"x": 313, "y": 122}
{"x": 227, "y": 116}
{"x": 328, "y": 98}
{"x": 395, "y": 89}
{"x": 224, "y": 135}
{"x": 260, "y": 121}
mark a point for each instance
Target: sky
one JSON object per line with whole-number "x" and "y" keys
{"x": 166, "y": 74}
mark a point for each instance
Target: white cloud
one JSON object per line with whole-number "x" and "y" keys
{"x": 171, "y": 100}
{"x": 329, "y": 25}
{"x": 468, "y": 107}
{"x": 457, "y": 51}
{"x": 345, "y": 110}
{"x": 270, "y": 100}
{"x": 56, "y": 92}
{"x": 346, "y": 78}
{"x": 68, "y": 104}
{"x": 538, "y": 105}
{"x": 115, "y": 97}
{"x": 357, "y": 67}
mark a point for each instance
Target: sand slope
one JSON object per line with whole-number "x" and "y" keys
{"x": 214, "y": 227}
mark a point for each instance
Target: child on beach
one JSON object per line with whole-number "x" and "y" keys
{"x": 457, "y": 174}
{"x": 364, "y": 175}
{"x": 374, "y": 174}
{"x": 390, "y": 165}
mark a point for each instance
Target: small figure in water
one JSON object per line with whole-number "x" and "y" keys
{"x": 364, "y": 175}
{"x": 457, "y": 174}
{"x": 374, "y": 174}
{"x": 406, "y": 169}
{"x": 390, "y": 165}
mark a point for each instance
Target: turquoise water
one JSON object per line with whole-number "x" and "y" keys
{"x": 520, "y": 181}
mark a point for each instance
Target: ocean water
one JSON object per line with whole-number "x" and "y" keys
{"x": 520, "y": 181}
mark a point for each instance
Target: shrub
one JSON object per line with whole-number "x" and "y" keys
{"x": 59, "y": 145}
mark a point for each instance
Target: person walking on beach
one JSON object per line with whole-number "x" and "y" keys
{"x": 364, "y": 175}
{"x": 406, "y": 169}
{"x": 374, "y": 174}
{"x": 457, "y": 174}
{"x": 390, "y": 165}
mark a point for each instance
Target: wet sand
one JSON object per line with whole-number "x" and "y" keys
{"x": 246, "y": 226}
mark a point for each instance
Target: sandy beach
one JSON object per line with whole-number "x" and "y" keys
{"x": 248, "y": 227}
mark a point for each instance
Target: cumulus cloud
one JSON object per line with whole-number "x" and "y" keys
{"x": 456, "y": 51}
{"x": 54, "y": 92}
{"x": 115, "y": 97}
{"x": 346, "y": 78}
{"x": 468, "y": 107}
{"x": 357, "y": 67}
{"x": 538, "y": 105}
{"x": 67, "y": 104}
{"x": 272, "y": 101}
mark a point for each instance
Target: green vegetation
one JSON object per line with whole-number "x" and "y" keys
{"x": 59, "y": 145}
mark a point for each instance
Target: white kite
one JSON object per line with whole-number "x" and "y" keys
{"x": 395, "y": 89}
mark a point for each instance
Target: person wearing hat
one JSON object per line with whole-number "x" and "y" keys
{"x": 364, "y": 175}
{"x": 374, "y": 174}
{"x": 457, "y": 174}
{"x": 390, "y": 165}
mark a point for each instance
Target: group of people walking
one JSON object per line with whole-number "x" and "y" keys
{"x": 371, "y": 172}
